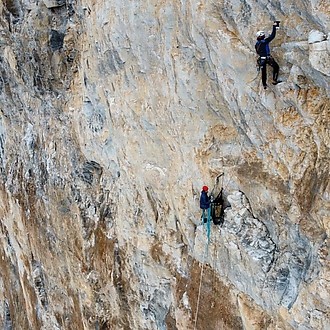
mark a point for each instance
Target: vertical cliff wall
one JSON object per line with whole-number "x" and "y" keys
{"x": 113, "y": 116}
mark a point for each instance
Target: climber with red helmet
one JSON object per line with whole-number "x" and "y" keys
{"x": 263, "y": 50}
{"x": 204, "y": 201}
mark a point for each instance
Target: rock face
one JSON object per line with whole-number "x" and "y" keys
{"x": 113, "y": 116}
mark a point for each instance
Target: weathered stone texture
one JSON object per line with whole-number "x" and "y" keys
{"x": 113, "y": 114}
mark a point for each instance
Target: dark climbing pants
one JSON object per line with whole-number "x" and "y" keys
{"x": 270, "y": 61}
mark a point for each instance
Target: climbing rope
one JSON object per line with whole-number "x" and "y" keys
{"x": 208, "y": 229}
{"x": 208, "y": 226}
{"x": 200, "y": 286}
{"x": 254, "y": 77}
{"x": 209, "y": 237}
{"x": 241, "y": 142}
{"x": 208, "y": 223}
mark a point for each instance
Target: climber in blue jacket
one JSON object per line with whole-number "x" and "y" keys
{"x": 263, "y": 50}
{"x": 204, "y": 201}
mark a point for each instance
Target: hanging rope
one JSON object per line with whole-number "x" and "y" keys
{"x": 208, "y": 223}
{"x": 208, "y": 230}
{"x": 210, "y": 209}
{"x": 200, "y": 286}
{"x": 208, "y": 226}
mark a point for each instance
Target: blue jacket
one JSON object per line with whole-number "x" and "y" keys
{"x": 204, "y": 201}
{"x": 262, "y": 46}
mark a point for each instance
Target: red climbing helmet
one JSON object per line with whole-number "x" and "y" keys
{"x": 205, "y": 188}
